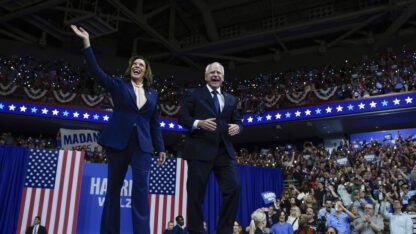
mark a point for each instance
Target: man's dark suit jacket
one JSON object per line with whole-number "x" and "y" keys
{"x": 178, "y": 230}
{"x": 199, "y": 105}
{"x": 41, "y": 230}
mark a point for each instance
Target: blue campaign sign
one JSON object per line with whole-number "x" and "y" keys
{"x": 383, "y": 136}
{"x": 93, "y": 189}
{"x": 268, "y": 197}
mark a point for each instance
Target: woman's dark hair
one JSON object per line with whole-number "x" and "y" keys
{"x": 148, "y": 75}
{"x": 286, "y": 216}
{"x": 336, "y": 231}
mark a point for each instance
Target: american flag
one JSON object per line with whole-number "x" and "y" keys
{"x": 51, "y": 190}
{"x": 167, "y": 188}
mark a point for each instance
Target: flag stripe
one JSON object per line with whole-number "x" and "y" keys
{"x": 22, "y": 210}
{"x": 29, "y": 212}
{"x": 64, "y": 187}
{"x": 49, "y": 212}
{"x": 77, "y": 184}
{"x": 162, "y": 204}
{"x": 158, "y": 213}
{"x": 172, "y": 208}
{"x": 51, "y": 190}
{"x": 177, "y": 189}
{"x": 68, "y": 187}
{"x": 59, "y": 188}
{"x": 36, "y": 203}
{"x": 184, "y": 191}
{"x": 52, "y": 217}
{"x": 152, "y": 212}
{"x": 165, "y": 204}
{"x": 180, "y": 189}
{"x": 45, "y": 207}
{"x": 40, "y": 207}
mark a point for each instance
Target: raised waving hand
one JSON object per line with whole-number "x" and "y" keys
{"x": 83, "y": 34}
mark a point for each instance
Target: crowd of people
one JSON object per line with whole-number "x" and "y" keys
{"x": 371, "y": 191}
{"x": 368, "y": 188}
{"x": 42, "y": 142}
{"x": 7, "y": 138}
{"x": 91, "y": 155}
{"x": 383, "y": 73}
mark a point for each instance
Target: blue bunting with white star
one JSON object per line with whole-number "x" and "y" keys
{"x": 338, "y": 108}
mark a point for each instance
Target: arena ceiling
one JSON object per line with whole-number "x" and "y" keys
{"x": 191, "y": 32}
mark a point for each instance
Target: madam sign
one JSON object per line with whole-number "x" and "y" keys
{"x": 79, "y": 139}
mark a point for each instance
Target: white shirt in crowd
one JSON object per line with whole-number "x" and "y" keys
{"x": 399, "y": 223}
{"x": 294, "y": 222}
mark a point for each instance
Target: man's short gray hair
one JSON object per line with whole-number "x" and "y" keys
{"x": 209, "y": 65}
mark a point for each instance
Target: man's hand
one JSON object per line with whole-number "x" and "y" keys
{"x": 162, "y": 158}
{"x": 364, "y": 218}
{"x": 233, "y": 129}
{"x": 208, "y": 124}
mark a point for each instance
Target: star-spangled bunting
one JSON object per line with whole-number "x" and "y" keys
{"x": 388, "y": 102}
{"x": 381, "y": 103}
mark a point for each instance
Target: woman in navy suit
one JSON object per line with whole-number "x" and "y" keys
{"x": 132, "y": 136}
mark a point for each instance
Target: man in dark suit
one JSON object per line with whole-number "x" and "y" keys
{"x": 36, "y": 228}
{"x": 180, "y": 225}
{"x": 212, "y": 118}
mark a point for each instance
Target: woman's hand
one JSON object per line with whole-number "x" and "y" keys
{"x": 80, "y": 32}
{"x": 162, "y": 158}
